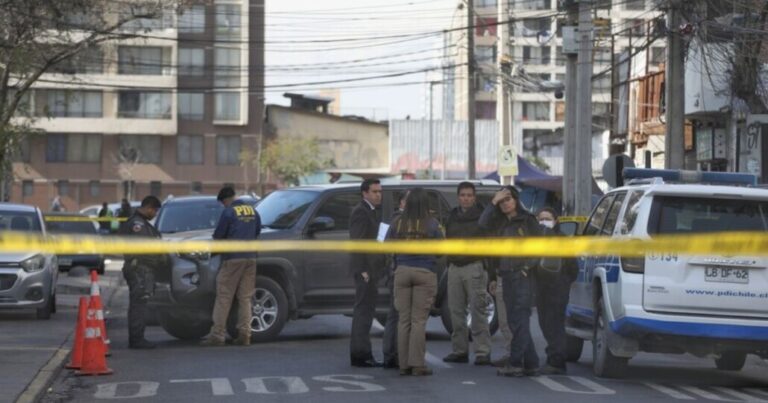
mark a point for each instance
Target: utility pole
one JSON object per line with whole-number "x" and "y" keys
{"x": 583, "y": 146}
{"x": 571, "y": 100}
{"x": 674, "y": 139}
{"x": 503, "y": 93}
{"x": 431, "y": 137}
{"x": 471, "y": 87}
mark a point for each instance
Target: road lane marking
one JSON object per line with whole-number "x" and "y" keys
{"x": 109, "y": 390}
{"x": 735, "y": 393}
{"x": 219, "y": 386}
{"x": 430, "y": 358}
{"x": 594, "y": 388}
{"x": 757, "y": 391}
{"x": 705, "y": 394}
{"x": 293, "y": 384}
{"x": 363, "y": 386}
{"x": 669, "y": 391}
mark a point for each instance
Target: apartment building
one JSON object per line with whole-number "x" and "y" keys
{"x": 166, "y": 113}
{"x": 531, "y": 38}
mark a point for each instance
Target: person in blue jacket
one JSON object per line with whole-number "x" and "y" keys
{"x": 237, "y": 274}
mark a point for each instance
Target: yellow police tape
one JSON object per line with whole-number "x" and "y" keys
{"x": 575, "y": 218}
{"x": 52, "y": 218}
{"x": 734, "y": 243}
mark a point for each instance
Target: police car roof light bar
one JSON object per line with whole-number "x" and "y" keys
{"x": 681, "y": 176}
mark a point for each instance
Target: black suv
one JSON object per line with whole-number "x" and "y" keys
{"x": 290, "y": 285}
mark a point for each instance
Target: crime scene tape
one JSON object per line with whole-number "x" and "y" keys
{"x": 82, "y": 219}
{"x": 729, "y": 243}
{"x": 575, "y": 218}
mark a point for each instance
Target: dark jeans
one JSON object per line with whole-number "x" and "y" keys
{"x": 551, "y": 301}
{"x": 517, "y": 298}
{"x": 362, "y": 318}
{"x": 389, "y": 340}
{"x": 141, "y": 287}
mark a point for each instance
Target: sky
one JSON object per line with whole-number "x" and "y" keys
{"x": 310, "y": 41}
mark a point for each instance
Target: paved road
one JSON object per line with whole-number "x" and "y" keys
{"x": 310, "y": 363}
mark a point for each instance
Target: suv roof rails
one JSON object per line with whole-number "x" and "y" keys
{"x": 635, "y": 175}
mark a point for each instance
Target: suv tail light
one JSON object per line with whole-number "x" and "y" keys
{"x": 633, "y": 264}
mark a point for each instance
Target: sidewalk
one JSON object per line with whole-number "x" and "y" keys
{"x": 32, "y": 350}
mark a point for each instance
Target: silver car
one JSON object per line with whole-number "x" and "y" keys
{"x": 28, "y": 279}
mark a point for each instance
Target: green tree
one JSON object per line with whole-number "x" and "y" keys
{"x": 291, "y": 158}
{"x": 38, "y": 35}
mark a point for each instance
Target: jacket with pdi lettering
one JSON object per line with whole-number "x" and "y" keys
{"x": 240, "y": 221}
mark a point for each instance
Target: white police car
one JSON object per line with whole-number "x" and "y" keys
{"x": 709, "y": 306}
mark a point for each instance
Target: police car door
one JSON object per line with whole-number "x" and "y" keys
{"x": 601, "y": 223}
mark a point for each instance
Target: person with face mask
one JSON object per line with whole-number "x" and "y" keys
{"x": 553, "y": 284}
{"x": 506, "y": 217}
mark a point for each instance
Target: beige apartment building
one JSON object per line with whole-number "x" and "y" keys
{"x": 167, "y": 113}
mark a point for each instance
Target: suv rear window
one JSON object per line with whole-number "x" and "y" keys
{"x": 676, "y": 215}
{"x": 71, "y": 227}
{"x": 281, "y": 209}
{"x": 189, "y": 216}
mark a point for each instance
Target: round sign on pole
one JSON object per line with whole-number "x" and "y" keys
{"x": 507, "y": 161}
{"x": 613, "y": 168}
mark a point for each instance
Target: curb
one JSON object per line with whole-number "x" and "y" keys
{"x": 39, "y": 385}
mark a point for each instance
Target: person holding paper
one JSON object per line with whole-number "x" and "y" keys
{"x": 366, "y": 269}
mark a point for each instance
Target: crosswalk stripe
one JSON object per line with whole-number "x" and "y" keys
{"x": 669, "y": 391}
{"x": 735, "y": 393}
{"x": 705, "y": 394}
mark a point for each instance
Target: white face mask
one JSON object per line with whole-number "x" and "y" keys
{"x": 547, "y": 223}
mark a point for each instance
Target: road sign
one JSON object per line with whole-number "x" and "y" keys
{"x": 613, "y": 167}
{"x": 507, "y": 161}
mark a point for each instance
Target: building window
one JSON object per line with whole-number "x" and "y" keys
{"x": 635, "y": 28}
{"x": 191, "y": 105}
{"x": 144, "y": 105}
{"x": 536, "y": 111}
{"x": 560, "y": 111}
{"x": 95, "y": 188}
{"x": 141, "y": 60}
{"x": 637, "y": 5}
{"x": 228, "y": 150}
{"x": 658, "y": 56}
{"x": 530, "y": 4}
{"x": 189, "y": 150}
{"x": 532, "y": 27}
{"x": 191, "y": 61}
{"x": 62, "y": 187}
{"x": 87, "y": 61}
{"x": 192, "y": 20}
{"x": 23, "y": 152}
{"x": 559, "y": 56}
{"x": 161, "y": 18}
{"x": 537, "y": 55}
{"x": 27, "y": 188}
{"x": 602, "y": 83}
{"x": 73, "y": 148}
{"x": 486, "y": 3}
{"x": 228, "y": 21}
{"x": 485, "y": 54}
{"x": 68, "y": 104}
{"x": 602, "y": 55}
{"x": 226, "y": 67}
{"x": 485, "y": 110}
{"x": 486, "y": 26}
{"x": 155, "y": 188}
{"x": 227, "y": 106}
{"x": 144, "y": 149}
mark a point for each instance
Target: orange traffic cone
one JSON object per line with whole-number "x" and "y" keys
{"x": 98, "y": 308}
{"x": 94, "y": 348}
{"x": 77, "y": 347}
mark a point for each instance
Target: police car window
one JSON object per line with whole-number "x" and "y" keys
{"x": 630, "y": 214}
{"x": 598, "y": 217}
{"x": 613, "y": 215}
{"x": 676, "y": 215}
{"x": 339, "y": 208}
{"x": 437, "y": 206}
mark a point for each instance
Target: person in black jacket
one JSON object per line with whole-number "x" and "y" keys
{"x": 553, "y": 285}
{"x": 467, "y": 283}
{"x": 366, "y": 269}
{"x": 507, "y": 217}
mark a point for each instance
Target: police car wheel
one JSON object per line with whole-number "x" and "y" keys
{"x": 731, "y": 361}
{"x": 605, "y": 364}
{"x": 269, "y": 309}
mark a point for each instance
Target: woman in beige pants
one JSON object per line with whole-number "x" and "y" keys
{"x": 415, "y": 282}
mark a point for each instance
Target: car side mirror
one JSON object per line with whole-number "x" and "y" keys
{"x": 321, "y": 224}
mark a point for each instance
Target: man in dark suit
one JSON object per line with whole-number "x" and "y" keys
{"x": 366, "y": 269}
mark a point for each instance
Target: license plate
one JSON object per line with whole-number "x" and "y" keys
{"x": 65, "y": 262}
{"x": 726, "y": 275}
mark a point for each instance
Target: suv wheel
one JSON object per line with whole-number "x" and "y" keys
{"x": 183, "y": 326}
{"x": 492, "y": 317}
{"x": 731, "y": 361}
{"x": 605, "y": 365}
{"x": 269, "y": 310}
